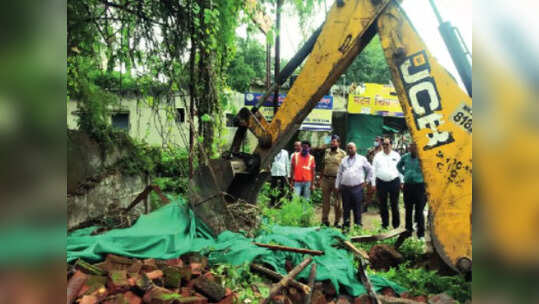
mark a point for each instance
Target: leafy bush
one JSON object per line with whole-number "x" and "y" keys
{"x": 316, "y": 196}
{"x": 295, "y": 212}
{"x": 242, "y": 280}
{"x": 420, "y": 281}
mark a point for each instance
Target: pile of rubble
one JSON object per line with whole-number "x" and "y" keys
{"x": 122, "y": 280}
{"x": 132, "y": 281}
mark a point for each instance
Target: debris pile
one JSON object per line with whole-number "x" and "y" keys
{"x": 133, "y": 281}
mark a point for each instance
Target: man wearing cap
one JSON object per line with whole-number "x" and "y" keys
{"x": 354, "y": 172}
{"x": 332, "y": 159}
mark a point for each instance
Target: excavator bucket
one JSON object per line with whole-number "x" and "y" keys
{"x": 209, "y": 194}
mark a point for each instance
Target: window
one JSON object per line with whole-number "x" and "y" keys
{"x": 180, "y": 115}
{"x": 120, "y": 121}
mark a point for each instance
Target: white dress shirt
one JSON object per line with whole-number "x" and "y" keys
{"x": 385, "y": 166}
{"x": 352, "y": 171}
{"x": 281, "y": 165}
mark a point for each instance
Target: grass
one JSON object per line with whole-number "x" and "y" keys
{"x": 418, "y": 280}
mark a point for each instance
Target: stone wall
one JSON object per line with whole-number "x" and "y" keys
{"x": 94, "y": 187}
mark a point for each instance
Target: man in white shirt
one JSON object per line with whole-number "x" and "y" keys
{"x": 350, "y": 181}
{"x": 280, "y": 172}
{"x": 387, "y": 182}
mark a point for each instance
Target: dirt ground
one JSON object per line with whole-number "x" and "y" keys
{"x": 372, "y": 219}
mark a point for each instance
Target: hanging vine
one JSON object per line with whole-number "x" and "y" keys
{"x": 156, "y": 47}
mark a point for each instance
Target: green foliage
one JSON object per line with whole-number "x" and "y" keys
{"x": 316, "y": 196}
{"x": 242, "y": 280}
{"x": 370, "y": 65}
{"x": 247, "y": 64}
{"x": 420, "y": 281}
{"x": 296, "y": 212}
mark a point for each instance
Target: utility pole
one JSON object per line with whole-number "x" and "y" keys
{"x": 277, "y": 57}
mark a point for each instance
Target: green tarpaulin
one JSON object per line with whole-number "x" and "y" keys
{"x": 363, "y": 129}
{"x": 173, "y": 230}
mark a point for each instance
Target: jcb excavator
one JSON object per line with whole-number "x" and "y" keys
{"x": 438, "y": 114}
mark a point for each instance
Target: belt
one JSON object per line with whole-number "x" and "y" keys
{"x": 330, "y": 176}
{"x": 358, "y": 185}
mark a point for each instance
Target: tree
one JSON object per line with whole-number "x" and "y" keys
{"x": 370, "y": 65}
{"x": 247, "y": 64}
{"x": 185, "y": 45}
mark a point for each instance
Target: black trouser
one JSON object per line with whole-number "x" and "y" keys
{"x": 351, "y": 201}
{"x": 278, "y": 182}
{"x": 391, "y": 188}
{"x": 414, "y": 198}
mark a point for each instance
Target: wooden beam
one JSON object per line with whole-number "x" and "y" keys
{"x": 277, "y": 276}
{"x": 291, "y": 249}
{"x": 378, "y": 237}
{"x": 286, "y": 279}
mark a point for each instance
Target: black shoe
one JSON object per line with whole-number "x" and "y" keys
{"x": 325, "y": 224}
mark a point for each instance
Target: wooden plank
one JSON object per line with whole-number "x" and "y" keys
{"x": 291, "y": 249}
{"x": 378, "y": 237}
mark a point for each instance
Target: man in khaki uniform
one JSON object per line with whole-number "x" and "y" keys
{"x": 332, "y": 159}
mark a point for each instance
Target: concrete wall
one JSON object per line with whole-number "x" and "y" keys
{"x": 93, "y": 186}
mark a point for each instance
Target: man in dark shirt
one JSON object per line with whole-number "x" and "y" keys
{"x": 414, "y": 189}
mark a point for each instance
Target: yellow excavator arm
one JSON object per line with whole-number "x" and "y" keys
{"x": 437, "y": 111}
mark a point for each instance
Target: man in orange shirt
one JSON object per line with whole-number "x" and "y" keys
{"x": 303, "y": 171}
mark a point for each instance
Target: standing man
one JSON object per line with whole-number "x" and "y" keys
{"x": 302, "y": 168}
{"x": 332, "y": 159}
{"x": 387, "y": 181}
{"x": 414, "y": 189}
{"x": 280, "y": 172}
{"x": 297, "y": 149}
{"x": 353, "y": 172}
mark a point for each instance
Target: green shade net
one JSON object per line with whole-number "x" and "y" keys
{"x": 173, "y": 230}
{"x": 363, "y": 129}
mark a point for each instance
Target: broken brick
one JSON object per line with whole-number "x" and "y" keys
{"x": 329, "y": 289}
{"x": 175, "y": 262}
{"x": 344, "y": 300}
{"x": 294, "y": 295}
{"x": 119, "y": 277}
{"x": 387, "y": 291}
{"x": 75, "y": 284}
{"x": 363, "y": 299}
{"x": 318, "y": 297}
{"x": 186, "y": 292}
{"x": 93, "y": 283}
{"x": 209, "y": 289}
{"x": 209, "y": 276}
{"x": 135, "y": 267}
{"x": 173, "y": 277}
{"x": 153, "y": 275}
{"x": 150, "y": 262}
{"x": 132, "y": 298}
{"x": 194, "y": 299}
{"x": 88, "y": 300}
{"x": 118, "y": 281}
{"x": 143, "y": 282}
{"x": 196, "y": 268}
{"x": 278, "y": 299}
{"x": 383, "y": 256}
{"x": 229, "y": 299}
